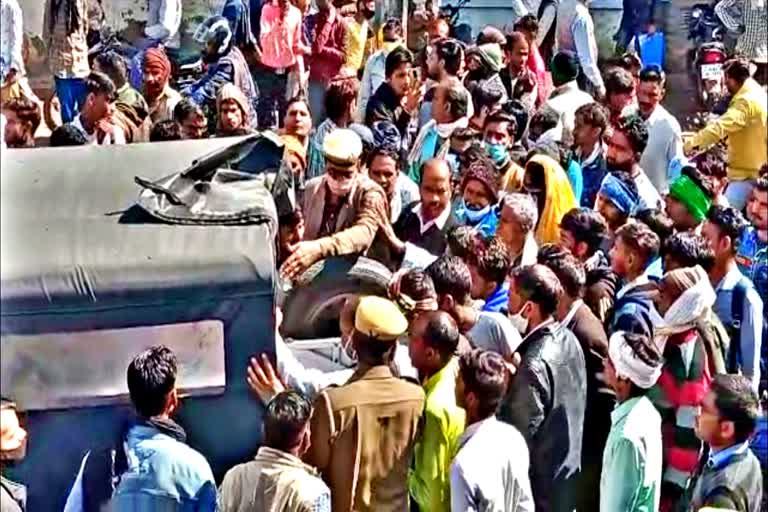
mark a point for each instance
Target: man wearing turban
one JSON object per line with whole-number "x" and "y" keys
{"x": 632, "y": 459}
{"x": 159, "y": 95}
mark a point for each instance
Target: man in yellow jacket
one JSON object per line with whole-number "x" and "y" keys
{"x": 744, "y": 125}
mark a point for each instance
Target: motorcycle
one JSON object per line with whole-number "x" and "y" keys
{"x": 451, "y": 13}
{"x": 707, "y": 55}
{"x": 186, "y": 66}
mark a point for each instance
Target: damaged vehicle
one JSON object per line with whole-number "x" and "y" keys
{"x": 107, "y": 251}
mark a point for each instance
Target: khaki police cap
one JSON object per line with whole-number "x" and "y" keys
{"x": 342, "y": 147}
{"x": 379, "y": 318}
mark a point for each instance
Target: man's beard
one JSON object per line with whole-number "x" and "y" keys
{"x": 478, "y": 74}
{"x": 152, "y": 92}
{"x": 624, "y": 166}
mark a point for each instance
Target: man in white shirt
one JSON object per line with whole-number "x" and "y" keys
{"x": 665, "y": 141}
{"x": 567, "y": 97}
{"x": 426, "y": 223}
{"x": 487, "y": 474}
{"x": 575, "y": 32}
{"x": 12, "y": 73}
{"x": 624, "y": 147}
{"x": 95, "y": 118}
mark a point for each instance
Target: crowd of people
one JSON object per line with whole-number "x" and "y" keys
{"x": 576, "y": 319}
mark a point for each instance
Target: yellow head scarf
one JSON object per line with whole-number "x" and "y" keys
{"x": 558, "y": 201}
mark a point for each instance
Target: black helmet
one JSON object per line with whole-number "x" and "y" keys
{"x": 215, "y": 30}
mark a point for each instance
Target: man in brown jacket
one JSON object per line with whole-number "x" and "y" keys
{"x": 343, "y": 209}
{"x": 363, "y": 433}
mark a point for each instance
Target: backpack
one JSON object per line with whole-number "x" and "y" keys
{"x": 716, "y": 340}
{"x": 734, "y": 358}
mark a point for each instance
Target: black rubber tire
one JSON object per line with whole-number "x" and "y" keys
{"x": 308, "y": 310}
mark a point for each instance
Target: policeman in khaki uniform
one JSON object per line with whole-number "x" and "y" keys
{"x": 345, "y": 212}
{"x": 363, "y": 433}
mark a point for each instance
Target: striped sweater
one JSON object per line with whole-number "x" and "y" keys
{"x": 684, "y": 381}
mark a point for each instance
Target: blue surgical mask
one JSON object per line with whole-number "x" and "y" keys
{"x": 497, "y": 152}
{"x": 472, "y": 214}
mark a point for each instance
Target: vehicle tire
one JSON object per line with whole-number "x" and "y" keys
{"x": 311, "y": 309}
{"x": 52, "y": 112}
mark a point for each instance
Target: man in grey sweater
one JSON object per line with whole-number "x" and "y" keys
{"x": 729, "y": 477}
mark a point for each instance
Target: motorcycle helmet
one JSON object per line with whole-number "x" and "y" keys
{"x": 215, "y": 32}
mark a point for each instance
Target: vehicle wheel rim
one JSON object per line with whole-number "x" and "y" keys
{"x": 325, "y": 312}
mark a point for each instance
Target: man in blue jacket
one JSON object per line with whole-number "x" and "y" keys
{"x": 163, "y": 472}
{"x": 226, "y": 64}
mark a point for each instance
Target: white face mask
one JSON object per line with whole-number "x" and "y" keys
{"x": 339, "y": 188}
{"x": 519, "y": 322}
{"x": 346, "y": 345}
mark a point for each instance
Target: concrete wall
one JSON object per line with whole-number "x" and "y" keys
{"x": 118, "y": 12}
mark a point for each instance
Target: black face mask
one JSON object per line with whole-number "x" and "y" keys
{"x": 368, "y": 14}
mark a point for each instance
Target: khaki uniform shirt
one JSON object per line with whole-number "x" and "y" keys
{"x": 363, "y": 436}
{"x": 161, "y": 109}
{"x": 363, "y": 215}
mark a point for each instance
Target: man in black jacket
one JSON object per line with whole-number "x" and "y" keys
{"x": 547, "y": 397}
{"x": 601, "y": 400}
{"x": 398, "y": 98}
{"x": 426, "y": 223}
{"x": 729, "y": 477}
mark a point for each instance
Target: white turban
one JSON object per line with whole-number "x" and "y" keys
{"x": 629, "y": 366}
{"x": 688, "y": 309}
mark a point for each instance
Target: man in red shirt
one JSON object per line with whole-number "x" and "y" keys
{"x": 326, "y": 37}
{"x": 281, "y": 48}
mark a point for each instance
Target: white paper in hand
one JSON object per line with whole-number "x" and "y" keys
{"x": 416, "y": 257}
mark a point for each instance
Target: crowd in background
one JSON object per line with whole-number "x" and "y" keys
{"x": 576, "y": 319}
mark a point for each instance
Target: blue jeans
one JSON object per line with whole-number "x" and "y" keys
{"x": 71, "y": 93}
{"x": 316, "y": 93}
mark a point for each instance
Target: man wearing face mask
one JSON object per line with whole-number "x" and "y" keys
{"x": 364, "y": 432}
{"x": 547, "y": 397}
{"x": 344, "y": 209}
{"x": 13, "y": 444}
{"x": 277, "y": 479}
{"x": 479, "y": 195}
{"x": 499, "y": 136}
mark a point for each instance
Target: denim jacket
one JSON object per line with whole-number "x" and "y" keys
{"x": 163, "y": 475}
